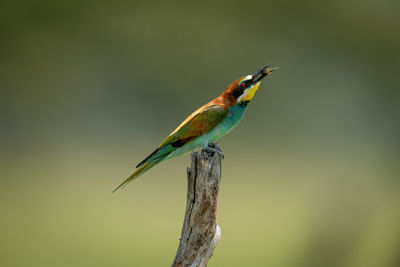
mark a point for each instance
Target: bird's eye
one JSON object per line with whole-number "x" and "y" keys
{"x": 244, "y": 85}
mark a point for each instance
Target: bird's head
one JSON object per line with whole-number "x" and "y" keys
{"x": 243, "y": 89}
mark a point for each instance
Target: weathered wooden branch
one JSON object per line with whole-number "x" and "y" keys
{"x": 200, "y": 232}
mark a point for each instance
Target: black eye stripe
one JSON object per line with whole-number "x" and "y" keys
{"x": 238, "y": 91}
{"x": 245, "y": 84}
{"x": 240, "y": 88}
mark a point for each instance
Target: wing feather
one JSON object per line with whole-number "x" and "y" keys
{"x": 198, "y": 123}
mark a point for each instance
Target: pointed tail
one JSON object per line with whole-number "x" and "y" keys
{"x": 142, "y": 169}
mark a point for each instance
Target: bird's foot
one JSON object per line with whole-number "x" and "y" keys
{"x": 212, "y": 148}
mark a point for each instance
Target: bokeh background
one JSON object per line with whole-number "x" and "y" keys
{"x": 89, "y": 88}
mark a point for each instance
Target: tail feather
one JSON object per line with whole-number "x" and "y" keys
{"x": 142, "y": 169}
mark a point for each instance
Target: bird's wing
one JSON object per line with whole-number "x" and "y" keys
{"x": 198, "y": 123}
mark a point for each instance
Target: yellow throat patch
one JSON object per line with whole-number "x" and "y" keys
{"x": 248, "y": 94}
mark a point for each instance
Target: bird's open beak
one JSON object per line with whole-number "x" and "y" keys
{"x": 264, "y": 71}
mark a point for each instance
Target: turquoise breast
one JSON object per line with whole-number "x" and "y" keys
{"x": 231, "y": 121}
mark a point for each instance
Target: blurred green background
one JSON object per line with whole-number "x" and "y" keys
{"x": 89, "y": 88}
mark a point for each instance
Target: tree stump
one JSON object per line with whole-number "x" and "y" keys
{"x": 200, "y": 231}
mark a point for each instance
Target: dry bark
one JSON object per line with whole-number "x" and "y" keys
{"x": 200, "y": 231}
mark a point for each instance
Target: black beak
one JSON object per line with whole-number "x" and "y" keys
{"x": 264, "y": 71}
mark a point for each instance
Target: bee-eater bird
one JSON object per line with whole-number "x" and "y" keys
{"x": 207, "y": 124}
